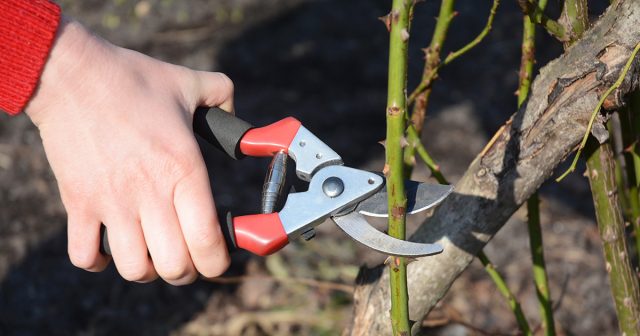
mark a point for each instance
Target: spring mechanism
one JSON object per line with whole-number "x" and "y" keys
{"x": 274, "y": 182}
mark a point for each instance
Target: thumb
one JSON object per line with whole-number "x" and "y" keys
{"x": 215, "y": 89}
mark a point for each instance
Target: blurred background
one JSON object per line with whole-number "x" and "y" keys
{"x": 323, "y": 62}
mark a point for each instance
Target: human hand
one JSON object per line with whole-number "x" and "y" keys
{"x": 116, "y": 127}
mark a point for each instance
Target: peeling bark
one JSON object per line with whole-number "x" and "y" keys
{"x": 522, "y": 155}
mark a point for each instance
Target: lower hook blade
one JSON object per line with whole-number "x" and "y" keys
{"x": 357, "y": 227}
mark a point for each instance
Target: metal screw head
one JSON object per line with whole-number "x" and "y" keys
{"x": 308, "y": 235}
{"x": 333, "y": 187}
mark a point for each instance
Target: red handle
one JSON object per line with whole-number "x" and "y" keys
{"x": 270, "y": 139}
{"x": 260, "y": 234}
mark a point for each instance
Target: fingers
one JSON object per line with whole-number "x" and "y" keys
{"x": 129, "y": 250}
{"x": 166, "y": 245}
{"x": 198, "y": 219}
{"x": 83, "y": 234}
{"x": 215, "y": 89}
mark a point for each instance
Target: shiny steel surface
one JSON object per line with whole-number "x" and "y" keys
{"x": 311, "y": 154}
{"x": 305, "y": 210}
{"x": 357, "y": 227}
{"x": 420, "y": 197}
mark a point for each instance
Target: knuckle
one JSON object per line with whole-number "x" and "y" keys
{"x": 184, "y": 166}
{"x": 221, "y": 265}
{"x": 188, "y": 279}
{"x": 174, "y": 271}
{"x": 82, "y": 258}
{"x": 132, "y": 270}
{"x": 206, "y": 239}
{"x": 227, "y": 83}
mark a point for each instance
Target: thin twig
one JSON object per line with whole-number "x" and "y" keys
{"x": 327, "y": 285}
{"x": 594, "y": 114}
{"x": 487, "y": 28}
{"x": 432, "y": 62}
{"x": 540, "y": 277}
{"x": 536, "y": 246}
{"x": 426, "y": 82}
{"x": 533, "y": 9}
{"x": 504, "y": 290}
{"x": 452, "y": 315}
{"x": 414, "y": 140}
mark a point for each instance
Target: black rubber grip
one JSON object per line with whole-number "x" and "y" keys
{"x": 227, "y": 232}
{"x": 221, "y": 129}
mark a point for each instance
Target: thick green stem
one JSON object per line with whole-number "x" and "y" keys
{"x": 394, "y": 167}
{"x": 504, "y": 290}
{"x": 575, "y": 19}
{"x": 624, "y": 282}
{"x": 540, "y": 278}
{"x": 628, "y": 116}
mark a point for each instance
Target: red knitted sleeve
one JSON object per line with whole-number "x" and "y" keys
{"x": 27, "y": 31}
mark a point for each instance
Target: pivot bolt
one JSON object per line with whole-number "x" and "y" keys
{"x": 309, "y": 234}
{"x": 333, "y": 187}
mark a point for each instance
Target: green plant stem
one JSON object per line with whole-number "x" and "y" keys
{"x": 539, "y": 269}
{"x": 394, "y": 166}
{"x": 420, "y": 95}
{"x": 432, "y": 64}
{"x": 535, "y": 11}
{"x": 533, "y": 203}
{"x": 504, "y": 290}
{"x": 415, "y": 142}
{"x": 428, "y": 79}
{"x": 630, "y": 131}
{"x": 575, "y": 18}
{"x": 601, "y": 172}
{"x": 615, "y": 85}
{"x": 634, "y": 107}
{"x": 624, "y": 282}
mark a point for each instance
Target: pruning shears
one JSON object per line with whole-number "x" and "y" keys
{"x": 344, "y": 194}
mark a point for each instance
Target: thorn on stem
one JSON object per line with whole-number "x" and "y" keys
{"x": 403, "y": 142}
{"x": 397, "y": 211}
{"x": 386, "y": 19}
{"x": 404, "y": 34}
{"x": 393, "y": 111}
{"x": 385, "y": 170}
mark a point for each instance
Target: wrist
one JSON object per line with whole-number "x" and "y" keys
{"x": 64, "y": 72}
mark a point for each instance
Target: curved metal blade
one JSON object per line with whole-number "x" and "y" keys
{"x": 420, "y": 197}
{"x": 357, "y": 227}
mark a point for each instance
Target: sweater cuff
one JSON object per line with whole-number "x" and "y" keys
{"x": 27, "y": 31}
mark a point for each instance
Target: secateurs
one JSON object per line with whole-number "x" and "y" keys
{"x": 335, "y": 191}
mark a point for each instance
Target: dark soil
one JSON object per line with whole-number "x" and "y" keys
{"x": 324, "y": 62}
